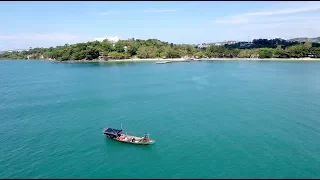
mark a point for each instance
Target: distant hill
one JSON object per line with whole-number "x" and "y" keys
{"x": 304, "y": 39}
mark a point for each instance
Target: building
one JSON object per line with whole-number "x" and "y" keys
{"x": 16, "y": 50}
{"x": 201, "y": 46}
{"x": 225, "y": 43}
{"x": 245, "y": 44}
{"x": 113, "y": 39}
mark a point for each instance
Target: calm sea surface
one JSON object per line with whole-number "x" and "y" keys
{"x": 209, "y": 119}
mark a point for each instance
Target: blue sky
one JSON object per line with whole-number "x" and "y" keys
{"x": 45, "y": 24}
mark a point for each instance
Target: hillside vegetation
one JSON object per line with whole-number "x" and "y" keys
{"x": 153, "y": 48}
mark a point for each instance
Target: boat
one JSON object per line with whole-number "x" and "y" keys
{"x": 118, "y": 135}
{"x": 163, "y": 62}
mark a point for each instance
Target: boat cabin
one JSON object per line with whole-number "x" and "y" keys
{"x": 112, "y": 133}
{"x": 146, "y": 136}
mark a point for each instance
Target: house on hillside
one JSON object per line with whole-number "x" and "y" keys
{"x": 202, "y": 46}
{"x": 245, "y": 45}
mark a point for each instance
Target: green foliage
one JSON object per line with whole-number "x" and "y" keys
{"x": 266, "y": 53}
{"x": 199, "y": 54}
{"x": 244, "y": 53}
{"x": 132, "y": 49}
{"x": 171, "y": 53}
{"x": 119, "y": 47}
{"x": 153, "y": 48}
{"x": 106, "y": 46}
{"x": 280, "y": 53}
{"x": 298, "y": 51}
{"x": 80, "y": 55}
{"x": 92, "y": 53}
{"x": 147, "y": 52}
{"x": 13, "y": 55}
{"x": 221, "y": 52}
{"x": 117, "y": 55}
{"x": 212, "y": 51}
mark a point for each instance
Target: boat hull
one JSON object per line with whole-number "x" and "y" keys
{"x": 150, "y": 142}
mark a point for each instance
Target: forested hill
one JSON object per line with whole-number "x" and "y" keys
{"x": 153, "y": 48}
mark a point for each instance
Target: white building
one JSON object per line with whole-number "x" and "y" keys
{"x": 113, "y": 39}
{"x": 203, "y": 46}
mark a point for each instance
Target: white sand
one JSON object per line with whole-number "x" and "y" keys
{"x": 203, "y": 59}
{"x": 220, "y": 59}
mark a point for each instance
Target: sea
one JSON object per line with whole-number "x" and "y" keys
{"x": 209, "y": 119}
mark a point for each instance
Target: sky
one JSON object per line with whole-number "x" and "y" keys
{"x": 45, "y": 24}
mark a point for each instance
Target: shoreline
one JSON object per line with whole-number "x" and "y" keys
{"x": 175, "y": 60}
{"x": 187, "y": 60}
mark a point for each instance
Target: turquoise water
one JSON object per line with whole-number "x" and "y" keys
{"x": 209, "y": 119}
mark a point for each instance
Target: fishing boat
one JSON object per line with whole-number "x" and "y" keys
{"x": 163, "y": 62}
{"x": 117, "y": 134}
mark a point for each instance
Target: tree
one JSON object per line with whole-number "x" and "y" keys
{"x": 244, "y": 53}
{"x": 147, "y": 52}
{"x": 132, "y": 49}
{"x": 117, "y": 55}
{"x": 315, "y": 52}
{"x": 152, "y": 48}
{"x": 298, "y": 51}
{"x": 171, "y": 53}
{"x": 119, "y": 47}
{"x": 265, "y": 53}
{"x": 106, "y": 46}
{"x": 199, "y": 54}
{"x": 280, "y": 53}
{"x": 92, "y": 53}
{"x": 308, "y": 44}
{"x": 80, "y": 55}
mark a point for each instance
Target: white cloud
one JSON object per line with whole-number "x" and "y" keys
{"x": 300, "y": 20}
{"x": 254, "y": 17}
{"x": 283, "y": 11}
{"x": 266, "y": 20}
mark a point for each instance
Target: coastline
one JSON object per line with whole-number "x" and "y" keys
{"x": 260, "y": 59}
{"x": 184, "y": 60}
{"x": 175, "y": 60}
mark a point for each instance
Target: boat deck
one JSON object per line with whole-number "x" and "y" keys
{"x": 173, "y": 61}
{"x": 137, "y": 140}
{"x": 117, "y": 134}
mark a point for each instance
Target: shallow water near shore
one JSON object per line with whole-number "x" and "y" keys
{"x": 210, "y": 119}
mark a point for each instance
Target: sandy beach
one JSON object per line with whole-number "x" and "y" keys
{"x": 182, "y": 59}
{"x": 259, "y": 59}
